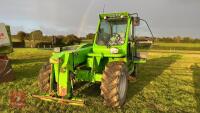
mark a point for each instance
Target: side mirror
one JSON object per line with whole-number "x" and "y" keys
{"x": 136, "y": 21}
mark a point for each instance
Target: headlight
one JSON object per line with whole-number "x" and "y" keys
{"x": 57, "y": 49}
{"x": 114, "y": 50}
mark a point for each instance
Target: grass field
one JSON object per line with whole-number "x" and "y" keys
{"x": 177, "y": 46}
{"x": 168, "y": 82}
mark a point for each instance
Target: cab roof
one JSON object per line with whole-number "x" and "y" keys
{"x": 114, "y": 15}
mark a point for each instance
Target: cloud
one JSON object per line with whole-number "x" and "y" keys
{"x": 166, "y": 17}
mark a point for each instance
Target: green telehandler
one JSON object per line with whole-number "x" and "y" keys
{"x": 6, "y": 72}
{"x": 110, "y": 60}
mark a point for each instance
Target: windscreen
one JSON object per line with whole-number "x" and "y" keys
{"x": 112, "y": 32}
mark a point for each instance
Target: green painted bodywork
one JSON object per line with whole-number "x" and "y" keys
{"x": 86, "y": 62}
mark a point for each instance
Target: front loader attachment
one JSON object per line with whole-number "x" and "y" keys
{"x": 73, "y": 101}
{"x": 56, "y": 79}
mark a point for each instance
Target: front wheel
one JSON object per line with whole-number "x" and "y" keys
{"x": 114, "y": 84}
{"x": 44, "y": 78}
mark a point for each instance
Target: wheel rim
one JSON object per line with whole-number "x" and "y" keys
{"x": 122, "y": 86}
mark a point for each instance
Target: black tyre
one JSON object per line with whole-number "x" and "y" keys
{"x": 6, "y": 71}
{"x": 114, "y": 84}
{"x": 44, "y": 78}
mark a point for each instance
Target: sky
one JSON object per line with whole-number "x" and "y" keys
{"x": 56, "y": 17}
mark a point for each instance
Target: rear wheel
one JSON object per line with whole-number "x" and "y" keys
{"x": 44, "y": 78}
{"x": 6, "y": 71}
{"x": 114, "y": 84}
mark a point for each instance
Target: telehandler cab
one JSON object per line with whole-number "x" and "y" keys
{"x": 110, "y": 60}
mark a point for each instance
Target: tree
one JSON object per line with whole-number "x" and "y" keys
{"x": 21, "y": 34}
{"x": 187, "y": 39}
{"x": 70, "y": 39}
{"x": 36, "y": 35}
{"x": 177, "y": 39}
{"x": 90, "y": 36}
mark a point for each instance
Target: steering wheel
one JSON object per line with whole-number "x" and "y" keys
{"x": 117, "y": 35}
{"x": 115, "y": 39}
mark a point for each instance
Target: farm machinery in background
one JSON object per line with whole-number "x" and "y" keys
{"x": 6, "y": 72}
{"x": 110, "y": 60}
